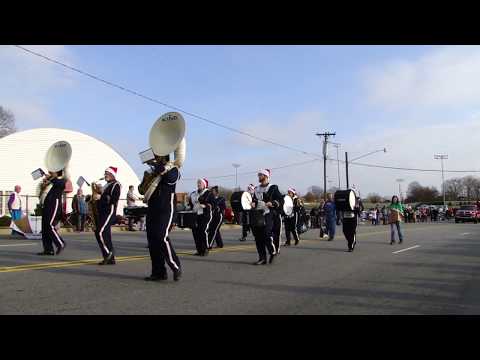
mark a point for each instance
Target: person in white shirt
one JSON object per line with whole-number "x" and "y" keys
{"x": 15, "y": 204}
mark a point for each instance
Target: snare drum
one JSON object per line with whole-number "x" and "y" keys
{"x": 187, "y": 219}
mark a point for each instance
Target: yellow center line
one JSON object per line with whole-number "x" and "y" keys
{"x": 40, "y": 266}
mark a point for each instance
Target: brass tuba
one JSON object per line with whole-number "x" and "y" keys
{"x": 166, "y": 135}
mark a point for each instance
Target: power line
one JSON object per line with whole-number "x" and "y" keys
{"x": 404, "y": 168}
{"x": 136, "y": 93}
{"x": 255, "y": 172}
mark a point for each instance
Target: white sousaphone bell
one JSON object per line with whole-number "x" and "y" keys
{"x": 167, "y": 135}
{"x": 57, "y": 159}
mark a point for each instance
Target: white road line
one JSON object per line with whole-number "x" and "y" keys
{"x": 20, "y": 244}
{"x": 465, "y": 234}
{"x": 399, "y": 251}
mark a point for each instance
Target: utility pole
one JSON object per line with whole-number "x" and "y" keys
{"x": 441, "y": 158}
{"x": 337, "y": 145}
{"x": 400, "y": 189}
{"x": 236, "y": 166}
{"x": 326, "y": 135}
{"x": 346, "y": 168}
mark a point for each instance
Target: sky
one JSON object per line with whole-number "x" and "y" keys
{"x": 415, "y": 101}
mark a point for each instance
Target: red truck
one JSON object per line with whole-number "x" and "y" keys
{"x": 467, "y": 213}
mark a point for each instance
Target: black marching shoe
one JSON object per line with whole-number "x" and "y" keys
{"x": 260, "y": 262}
{"x": 110, "y": 260}
{"x": 243, "y": 239}
{"x": 296, "y": 242}
{"x": 287, "y": 244}
{"x": 270, "y": 260}
{"x": 156, "y": 277}
{"x": 392, "y": 242}
{"x": 400, "y": 241}
{"x": 44, "y": 253}
{"x": 177, "y": 274}
{"x": 61, "y": 248}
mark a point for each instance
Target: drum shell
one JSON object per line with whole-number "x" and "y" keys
{"x": 135, "y": 211}
{"x": 236, "y": 201}
{"x": 187, "y": 219}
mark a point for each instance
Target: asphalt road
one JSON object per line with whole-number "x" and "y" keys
{"x": 435, "y": 271}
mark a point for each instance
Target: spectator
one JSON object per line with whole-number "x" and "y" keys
{"x": 79, "y": 206}
{"x": 321, "y": 218}
{"x": 314, "y": 218}
{"x": 330, "y": 217}
{"x": 396, "y": 213}
{"x": 15, "y": 204}
{"x": 131, "y": 199}
{"x": 384, "y": 215}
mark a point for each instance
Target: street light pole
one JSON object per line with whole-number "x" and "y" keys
{"x": 326, "y": 135}
{"x": 441, "y": 158}
{"x": 346, "y": 168}
{"x": 236, "y": 166}
{"x": 400, "y": 189}
{"x": 336, "y": 145}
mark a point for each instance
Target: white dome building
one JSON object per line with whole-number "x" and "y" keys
{"x": 24, "y": 151}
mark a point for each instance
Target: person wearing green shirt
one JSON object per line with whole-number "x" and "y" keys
{"x": 396, "y": 212}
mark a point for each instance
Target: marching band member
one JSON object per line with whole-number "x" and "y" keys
{"x": 51, "y": 212}
{"x": 267, "y": 201}
{"x": 291, "y": 222}
{"x": 350, "y": 221}
{"x": 107, "y": 211}
{"x": 217, "y": 220}
{"x": 245, "y": 214}
{"x": 160, "y": 212}
{"x": 203, "y": 203}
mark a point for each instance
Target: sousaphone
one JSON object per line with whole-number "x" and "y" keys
{"x": 57, "y": 159}
{"x": 167, "y": 135}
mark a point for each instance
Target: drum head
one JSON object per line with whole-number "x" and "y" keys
{"x": 351, "y": 199}
{"x": 287, "y": 205}
{"x": 246, "y": 201}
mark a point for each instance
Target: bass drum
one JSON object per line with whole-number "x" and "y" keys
{"x": 287, "y": 205}
{"x": 345, "y": 200}
{"x": 236, "y": 201}
{"x": 241, "y": 201}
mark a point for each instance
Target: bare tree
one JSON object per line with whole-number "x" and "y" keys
{"x": 374, "y": 198}
{"x": 470, "y": 183}
{"x": 7, "y": 122}
{"x": 454, "y": 188}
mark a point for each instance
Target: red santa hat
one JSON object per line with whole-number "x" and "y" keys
{"x": 204, "y": 181}
{"x": 265, "y": 172}
{"x": 292, "y": 190}
{"x": 112, "y": 170}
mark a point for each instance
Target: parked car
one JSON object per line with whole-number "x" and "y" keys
{"x": 467, "y": 213}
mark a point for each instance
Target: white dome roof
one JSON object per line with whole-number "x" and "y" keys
{"x": 24, "y": 151}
